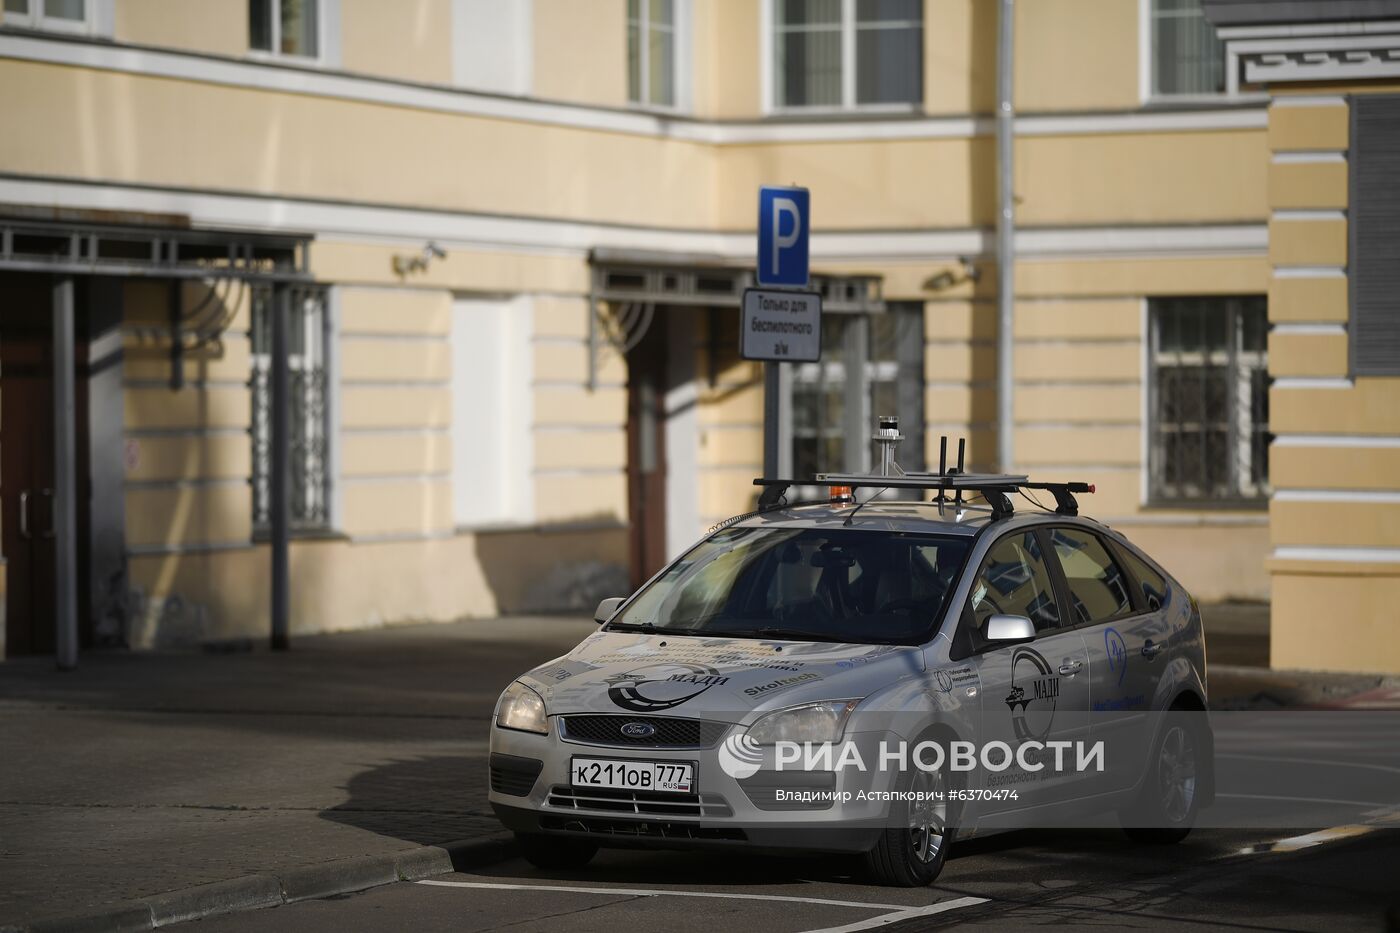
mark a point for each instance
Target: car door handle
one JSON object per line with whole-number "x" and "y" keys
{"x": 1151, "y": 649}
{"x": 1070, "y": 668}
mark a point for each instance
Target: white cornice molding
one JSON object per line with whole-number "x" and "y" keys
{"x": 284, "y": 77}
{"x": 1271, "y": 55}
{"x": 392, "y": 225}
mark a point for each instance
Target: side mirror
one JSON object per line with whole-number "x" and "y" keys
{"x": 1010, "y": 629}
{"x": 608, "y": 608}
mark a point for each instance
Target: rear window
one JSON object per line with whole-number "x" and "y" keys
{"x": 818, "y": 584}
{"x": 1098, "y": 588}
{"x": 1154, "y": 586}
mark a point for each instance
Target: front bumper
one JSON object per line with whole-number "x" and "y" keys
{"x": 721, "y": 812}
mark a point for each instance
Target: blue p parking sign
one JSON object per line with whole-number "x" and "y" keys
{"x": 782, "y": 236}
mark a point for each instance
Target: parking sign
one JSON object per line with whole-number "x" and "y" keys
{"x": 782, "y": 236}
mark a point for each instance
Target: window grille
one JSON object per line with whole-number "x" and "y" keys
{"x": 308, "y": 429}
{"x": 1209, "y": 400}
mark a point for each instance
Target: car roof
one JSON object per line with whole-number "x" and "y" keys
{"x": 898, "y": 516}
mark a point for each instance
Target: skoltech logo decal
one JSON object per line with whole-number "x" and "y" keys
{"x": 662, "y": 686}
{"x": 1034, "y": 692}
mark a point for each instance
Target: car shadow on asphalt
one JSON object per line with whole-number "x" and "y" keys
{"x": 420, "y": 800}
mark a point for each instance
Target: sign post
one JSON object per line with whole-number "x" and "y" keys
{"x": 782, "y": 322}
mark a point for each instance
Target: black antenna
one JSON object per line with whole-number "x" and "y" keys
{"x": 962, "y": 446}
{"x": 942, "y": 464}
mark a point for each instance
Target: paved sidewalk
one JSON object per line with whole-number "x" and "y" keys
{"x": 145, "y": 773}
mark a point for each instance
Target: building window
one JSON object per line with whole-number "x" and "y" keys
{"x": 871, "y": 365}
{"x": 1375, "y": 235}
{"x": 1209, "y": 401}
{"x": 1187, "y": 55}
{"x": 285, "y": 27}
{"x": 308, "y": 381}
{"x": 844, "y": 54}
{"x": 653, "y": 52}
{"x": 57, "y": 15}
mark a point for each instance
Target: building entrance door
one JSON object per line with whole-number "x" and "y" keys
{"x": 28, "y": 533}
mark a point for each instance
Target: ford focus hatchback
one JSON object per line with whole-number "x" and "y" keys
{"x": 876, "y": 677}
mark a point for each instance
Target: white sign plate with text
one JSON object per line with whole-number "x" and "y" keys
{"x": 781, "y": 326}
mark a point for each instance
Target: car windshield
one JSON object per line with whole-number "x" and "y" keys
{"x": 803, "y": 584}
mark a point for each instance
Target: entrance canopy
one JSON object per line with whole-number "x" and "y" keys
{"x": 636, "y": 281}
{"x": 120, "y": 243}
{"x": 62, "y": 247}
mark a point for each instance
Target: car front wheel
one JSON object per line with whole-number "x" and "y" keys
{"x": 911, "y": 851}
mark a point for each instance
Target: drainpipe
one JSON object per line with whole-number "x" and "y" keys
{"x": 1006, "y": 234}
{"x": 65, "y": 486}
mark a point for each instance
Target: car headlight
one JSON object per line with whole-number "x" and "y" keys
{"x": 810, "y": 722}
{"x": 523, "y": 709}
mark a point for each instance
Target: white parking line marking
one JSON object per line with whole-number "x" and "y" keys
{"x": 906, "y": 914}
{"x": 1307, "y": 841}
{"x": 1341, "y": 803}
{"x": 663, "y": 892}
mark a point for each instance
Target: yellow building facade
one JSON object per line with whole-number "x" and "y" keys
{"x": 525, "y": 227}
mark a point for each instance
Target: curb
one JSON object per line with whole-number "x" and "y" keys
{"x": 250, "y": 892}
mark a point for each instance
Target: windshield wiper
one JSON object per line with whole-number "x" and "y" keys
{"x": 642, "y": 627}
{"x": 783, "y": 634}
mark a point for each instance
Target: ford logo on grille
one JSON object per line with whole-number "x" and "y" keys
{"x": 638, "y": 730}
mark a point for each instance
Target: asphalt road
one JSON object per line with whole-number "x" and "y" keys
{"x": 1216, "y": 879}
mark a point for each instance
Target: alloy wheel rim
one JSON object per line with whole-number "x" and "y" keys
{"x": 928, "y": 815}
{"x": 1176, "y": 773}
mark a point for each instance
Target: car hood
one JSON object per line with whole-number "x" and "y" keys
{"x": 722, "y": 679}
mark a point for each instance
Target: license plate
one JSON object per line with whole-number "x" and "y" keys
{"x": 676, "y": 777}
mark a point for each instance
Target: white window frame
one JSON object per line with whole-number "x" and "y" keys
{"x": 327, "y": 36}
{"x": 681, "y": 59}
{"x": 37, "y": 19}
{"x": 767, "y": 31}
{"x": 1245, "y": 496}
{"x": 1147, "y": 58}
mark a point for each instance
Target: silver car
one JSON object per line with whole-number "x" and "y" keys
{"x": 705, "y": 710}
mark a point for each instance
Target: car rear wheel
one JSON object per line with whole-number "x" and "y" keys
{"x": 911, "y": 851}
{"x": 552, "y": 852}
{"x": 1170, "y": 799}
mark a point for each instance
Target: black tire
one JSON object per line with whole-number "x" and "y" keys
{"x": 1166, "y": 808}
{"x": 554, "y": 852}
{"x": 905, "y": 857}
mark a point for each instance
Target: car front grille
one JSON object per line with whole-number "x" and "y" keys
{"x": 668, "y": 732}
{"x": 648, "y": 803}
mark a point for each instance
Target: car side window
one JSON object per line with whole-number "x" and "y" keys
{"x": 1015, "y": 580}
{"x": 1098, "y": 587}
{"x": 1154, "y": 586}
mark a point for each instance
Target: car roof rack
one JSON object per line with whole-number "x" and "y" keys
{"x": 995, "y": 488}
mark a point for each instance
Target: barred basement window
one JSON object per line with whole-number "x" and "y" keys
{"x": 308, "y": 381}
{"x": 1209, "y": 401}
